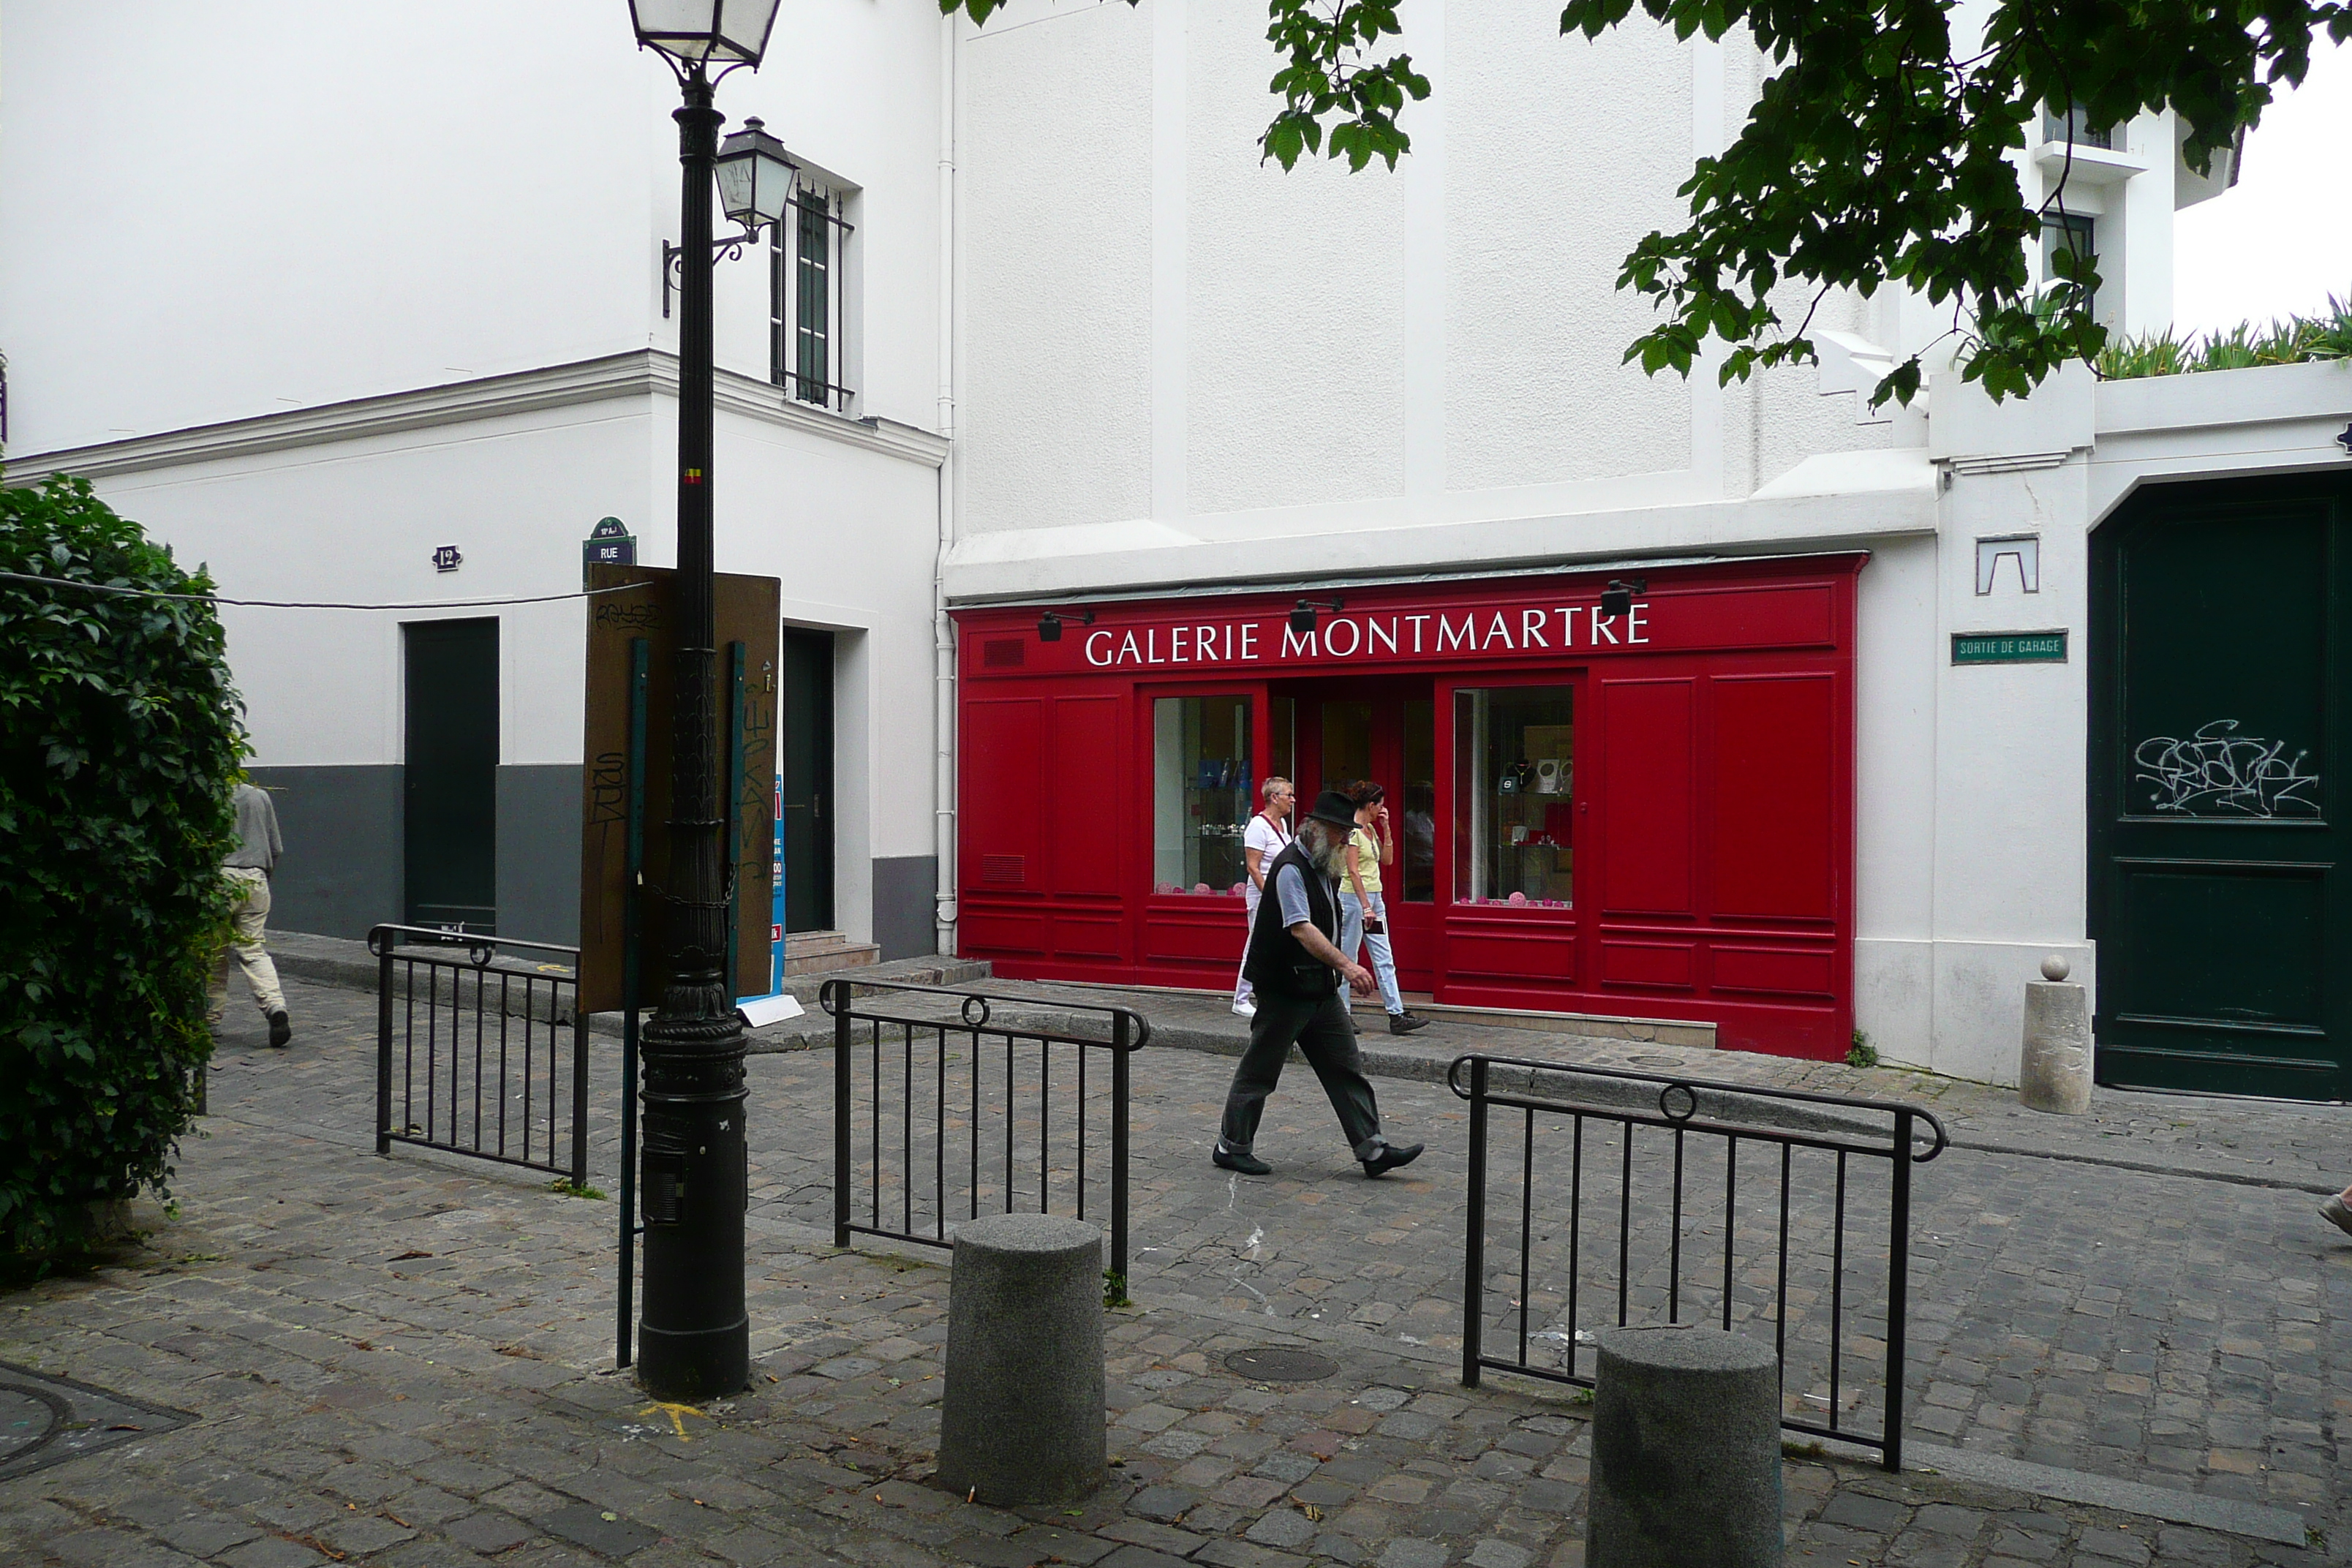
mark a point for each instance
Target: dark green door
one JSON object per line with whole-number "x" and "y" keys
{"x": 2220, "y": 626}
{"x": 804, "y": 762}
{"x": 450, "y": 819}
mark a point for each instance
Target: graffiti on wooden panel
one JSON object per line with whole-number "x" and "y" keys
{"x": 2219, "y": 772}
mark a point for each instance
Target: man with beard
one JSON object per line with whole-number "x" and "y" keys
{"x": 1295, "y": 966}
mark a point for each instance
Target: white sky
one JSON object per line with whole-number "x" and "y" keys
{"x": 2280, "y": 241}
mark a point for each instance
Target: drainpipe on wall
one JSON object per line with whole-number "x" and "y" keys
{"x": 943, "y": 645}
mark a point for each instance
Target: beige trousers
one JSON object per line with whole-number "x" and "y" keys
{"x": 252, "y": 912}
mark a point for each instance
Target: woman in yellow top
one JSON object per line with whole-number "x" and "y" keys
{"x": 1363, "y": 914}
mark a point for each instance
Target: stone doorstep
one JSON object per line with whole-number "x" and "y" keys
{"x": 827, "y": 952}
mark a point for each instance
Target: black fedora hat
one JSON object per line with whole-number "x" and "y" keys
{"x": 1333, "y": 807}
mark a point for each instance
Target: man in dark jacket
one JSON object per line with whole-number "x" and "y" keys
{"x": 1296, "y": 967}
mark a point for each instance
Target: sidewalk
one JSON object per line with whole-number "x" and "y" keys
{"x": 401, "y": 1360}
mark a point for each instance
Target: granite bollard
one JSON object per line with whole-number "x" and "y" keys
{"x": 1021, "y": 1420}
{"x": 2053, "y": 1072}
{"x": 1685, "y": 1451}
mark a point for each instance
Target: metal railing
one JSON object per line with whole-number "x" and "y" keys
{"x": 1808, "y": 1273}
{"x": 943, "y": 1114}
{"x": 470, "y": 1052}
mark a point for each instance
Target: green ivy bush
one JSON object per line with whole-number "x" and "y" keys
{"x": 120, "y": 741}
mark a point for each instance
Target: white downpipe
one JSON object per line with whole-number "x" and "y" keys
{"x": 943, "y": 643}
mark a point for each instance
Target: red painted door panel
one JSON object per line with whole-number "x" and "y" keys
{"x": 1645, "y": 835}
{"x": 1004, "y": 805}
{"x": 1775, "y": 802}
{"x": 1085, "y": 751}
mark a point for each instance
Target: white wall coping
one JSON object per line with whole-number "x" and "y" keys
{"x": 1146, "y": 554}
{"x": 2203, "y": 399}
{"x": 638, "y": 373}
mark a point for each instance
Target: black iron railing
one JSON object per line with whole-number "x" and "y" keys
{"x": 478, "y": 1057}
{"x": 942, "y": 1112}
{"x": 1815, "y": 1244}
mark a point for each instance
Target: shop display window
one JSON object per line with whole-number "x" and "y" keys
{"x": 1514, "y": 797}
{"x": 1201, "y": 792}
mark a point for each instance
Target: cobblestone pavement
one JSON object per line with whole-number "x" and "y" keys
{"x": 403, "y": 1362}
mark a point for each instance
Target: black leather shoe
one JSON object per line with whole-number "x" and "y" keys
{"x": 1247, "y": 1164}
{"x": 1405, "y": 1023}
{"x": 281, "y": 1030}
{"x": 1390, "y": 1158}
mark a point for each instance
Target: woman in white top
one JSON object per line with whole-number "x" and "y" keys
{"x": 1363, "y": 913}
{"x": 1263, "y": 839}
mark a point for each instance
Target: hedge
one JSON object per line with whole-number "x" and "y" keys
{"x": 121, "y": 736}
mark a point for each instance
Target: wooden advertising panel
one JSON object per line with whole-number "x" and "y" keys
{"x": 749, "y": 616}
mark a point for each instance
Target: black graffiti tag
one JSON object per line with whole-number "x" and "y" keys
{"x": 2219, "y": 772}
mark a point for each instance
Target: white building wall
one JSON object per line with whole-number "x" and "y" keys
{"x": 381, "y": 279}
{"x": 223, "y": 211}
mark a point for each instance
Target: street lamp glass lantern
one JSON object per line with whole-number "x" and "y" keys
{"x": 755, "y": 177}
{"x": 705, "y": 31}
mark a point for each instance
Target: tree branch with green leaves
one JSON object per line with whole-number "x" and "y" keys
{"x": 1883, "y": 148}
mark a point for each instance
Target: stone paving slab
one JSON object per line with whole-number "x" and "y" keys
{"x": 401, "y": 1360}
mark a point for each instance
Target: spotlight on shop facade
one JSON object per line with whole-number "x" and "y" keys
{"x": 1302, "y": 614}
{"x": 1617, "y": 598}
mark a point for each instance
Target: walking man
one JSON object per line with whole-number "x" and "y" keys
{"x": 1263, "y": 839}
{"x": 248, "y": 869}
{"x": 1295, "y": 966}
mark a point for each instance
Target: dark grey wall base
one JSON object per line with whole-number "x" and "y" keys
{"x": 340, "y": 872}
{"x": 538, "y": 852}
{"x": 905, "y": 906}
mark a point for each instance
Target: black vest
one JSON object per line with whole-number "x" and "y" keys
{"x": 1277, "y": 962}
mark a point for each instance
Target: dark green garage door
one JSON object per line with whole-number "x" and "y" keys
{"x": 2220, "y": 620}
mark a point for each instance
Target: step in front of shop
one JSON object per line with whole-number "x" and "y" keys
{"x": 827, "y": 952}
{"x": 1695, "y": 1036}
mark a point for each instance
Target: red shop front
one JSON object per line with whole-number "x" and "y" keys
{"x": 1645, "y": 814}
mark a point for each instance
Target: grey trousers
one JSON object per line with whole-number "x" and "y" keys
{"x": 1319, "y": 1027}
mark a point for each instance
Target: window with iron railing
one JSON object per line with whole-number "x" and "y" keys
{"x": 2068, "y": 232}
{"x": 808, "y": 299}
{"x": 2071, "y": 127}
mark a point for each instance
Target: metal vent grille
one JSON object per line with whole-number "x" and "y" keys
{"x": 1003, "y": 871}
{"x": 1004, "y": 653}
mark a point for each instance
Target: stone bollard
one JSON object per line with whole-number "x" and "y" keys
{"x": 1022, "y": 1418}
{"x": 2055, "y": 1072}
{"x": 1685, "y": 1451}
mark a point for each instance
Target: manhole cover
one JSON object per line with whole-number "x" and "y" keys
{"x": 47, "y": 1420}
{"x": 1280, "y": 1365}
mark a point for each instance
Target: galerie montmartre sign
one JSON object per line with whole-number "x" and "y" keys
{"x": 1371, "y": 635}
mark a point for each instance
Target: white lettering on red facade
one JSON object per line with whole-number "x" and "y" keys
{"x": 1366, "y": 637}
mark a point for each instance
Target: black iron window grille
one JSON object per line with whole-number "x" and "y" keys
{"x": 1627, "y": 1197}
{"x": 949, "y": 1105}
{"x": 808, "y": 299}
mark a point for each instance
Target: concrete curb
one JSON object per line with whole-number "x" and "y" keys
{"x": 345, "y": 963}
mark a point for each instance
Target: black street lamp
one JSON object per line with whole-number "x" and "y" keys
{"x": 694, "y": 1338}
